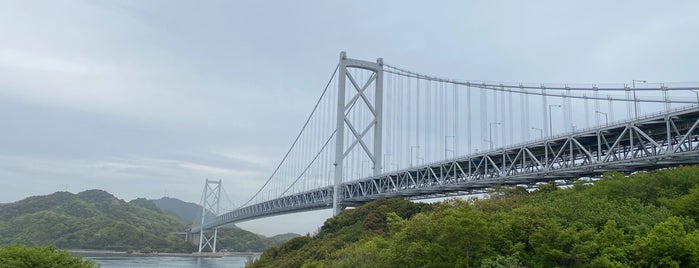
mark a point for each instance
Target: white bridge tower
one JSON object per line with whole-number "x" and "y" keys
{"x": 358, "y": 133}
{"x": 210, "y": 204}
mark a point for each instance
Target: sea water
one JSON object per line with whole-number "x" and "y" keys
{"x": 149, "y": 262}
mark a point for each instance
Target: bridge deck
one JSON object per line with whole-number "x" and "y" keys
{"x": 650, "y": 142}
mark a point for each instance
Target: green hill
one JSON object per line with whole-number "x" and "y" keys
{"x": 92, "y": 219}
{"x": 230, "y": 238}
{"x": 186, "y": 211}
{"x": 648, "y": 219}
{"x": 95, "y": 219}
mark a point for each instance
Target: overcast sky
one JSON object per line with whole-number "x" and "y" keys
{"x": 150, "y": 98}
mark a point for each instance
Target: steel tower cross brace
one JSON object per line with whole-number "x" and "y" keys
{"x": 344, "y": 107}
{"x": 210, "y": 204}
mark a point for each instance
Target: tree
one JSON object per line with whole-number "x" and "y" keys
{"x": 668, "y": 245}
{"x": 685, "y": 205}
{"x": 612, "y": 243}
{"x": 19, "y": 256}
{"x": 619, "y": 221}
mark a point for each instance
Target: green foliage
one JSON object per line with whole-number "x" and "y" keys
{"x": 684, "y": 205}
{"x": 372, "y": 215}
{"x": 95, "y": 219}
{"x": 18, "y": 256}
{"x": 668, "y": 245}
{"x": 92, "y": 219}
{"x": 648, "y": 219}
{"x": 348, "y": 227}
{"x": 236, "y": 239}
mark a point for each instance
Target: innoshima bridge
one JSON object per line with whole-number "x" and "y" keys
{"x": 378, "y": 130}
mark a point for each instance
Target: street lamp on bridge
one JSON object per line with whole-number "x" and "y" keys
{"x": 361, "y": 174}
{"x": 384, "y": 160}
{"x": 417, "y": 153}
{"x": 491, "y": 133}
{"x": 541, "y": 131}
{"x": 551, "y": 120}
{"x": 606, "y": 120}
{"x": 635, "y": 102}
{"x": 453, "y": 151}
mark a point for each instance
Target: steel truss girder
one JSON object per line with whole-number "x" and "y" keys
{"x": 650, "y": 142}
{"x": 311, "y": 200}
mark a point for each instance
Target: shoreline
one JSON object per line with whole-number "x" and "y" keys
{"x": 98, "y": 253}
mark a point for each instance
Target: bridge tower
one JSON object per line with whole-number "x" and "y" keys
{"x": 344, "y": 106}
{"x": 210, "y": 204}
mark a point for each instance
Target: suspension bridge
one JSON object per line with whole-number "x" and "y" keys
{"x": 378, "y": 130}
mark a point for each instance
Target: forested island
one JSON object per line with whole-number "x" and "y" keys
{"x": 647, "y": 219}
{"x": 96, "y": 219}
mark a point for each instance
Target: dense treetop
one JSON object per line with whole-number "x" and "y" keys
{"x": 18, "y": 256}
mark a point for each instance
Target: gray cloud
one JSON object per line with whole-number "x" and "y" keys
{"x": 145, "y": 97}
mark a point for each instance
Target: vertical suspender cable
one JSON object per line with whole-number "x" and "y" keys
{"x": 417, "y": 119}
{"x": 409, "y": 115}
{"x": 545, "y": 111}
{"x": 568, "y": 120}
{"x": 469, "y": 150}
{"x": 441, "y": 118}
{"x": 389, "y": 125}
{"x": 511, "y": 130}
{"x": 504, "y": 126}
{"x": 596, "y": 95}
{"x": 611, "y": 108}
{"x": 294, "y": 143}
{"x": 587, "y": 112}
{"x": 428, "y": 119}
{"x": 455, "y": 112}
{"x": 483, "y": 117}
{"x": 523, "y": 127}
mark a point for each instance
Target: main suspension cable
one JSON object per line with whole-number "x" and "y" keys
{"x": 297, "y": 137}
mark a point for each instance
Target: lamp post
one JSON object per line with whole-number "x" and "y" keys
{"x": 635, "y": 103}
{"x": 361, "y": 174}
{"x": 606, "y": 120}
{"x": 550, "y": 120}
{"x": 541, "y": 131}
{"x": 491, "y": 133}
{"x": 417, "y": 153}
{"x": 445, "y": 146}
{"x": 384, "y": 158}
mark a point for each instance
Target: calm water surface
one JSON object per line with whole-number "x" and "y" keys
{"x": 143, "y": 262}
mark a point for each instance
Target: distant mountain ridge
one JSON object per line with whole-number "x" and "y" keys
{"x": 186, "y": 211}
